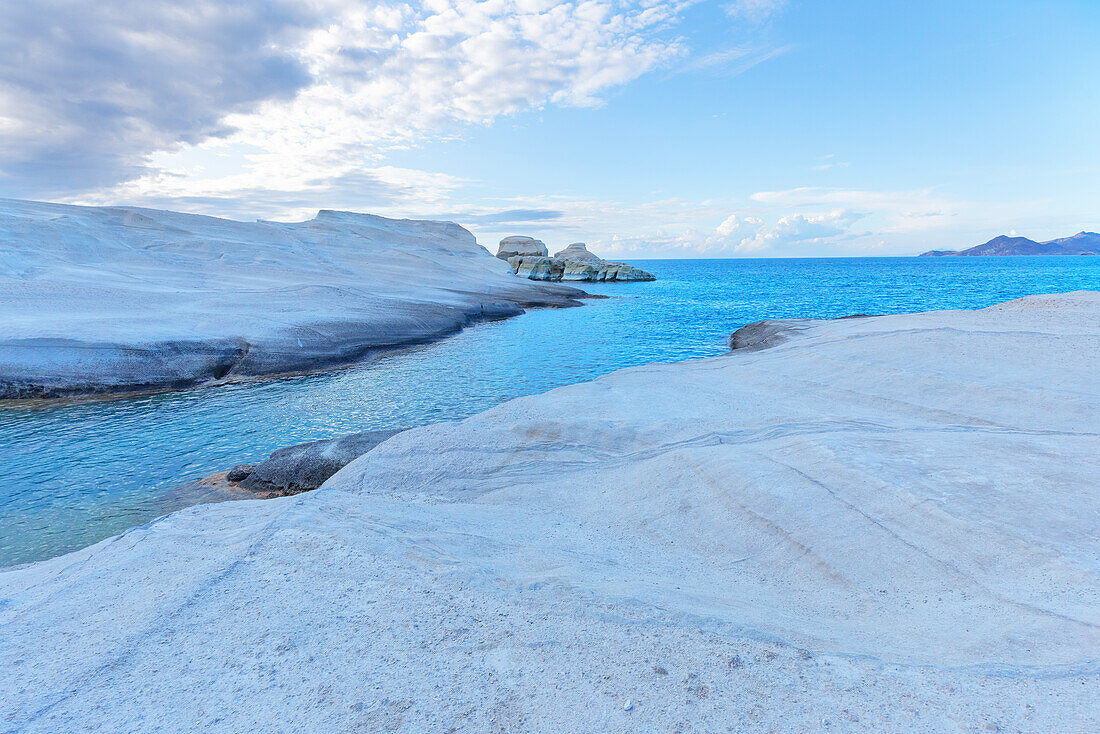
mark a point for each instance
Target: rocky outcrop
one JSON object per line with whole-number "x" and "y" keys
{"x": 522, "y": 247}
{"x": 537, "y": 268}
{"x": 305, "y": 466}
{"x": 528, "y": 259}
{"x": 119, "y": 299}
{"x": 578, "y": 251}
{"x": 763, "y": 334}
{"x": 773, "y": 332}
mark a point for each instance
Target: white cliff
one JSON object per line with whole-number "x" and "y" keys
{"x": 101, "y": 299}
{"x": 878, "y": 524}
{"x": 522, "y": 246}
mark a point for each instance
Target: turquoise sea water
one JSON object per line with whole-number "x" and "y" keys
{"x": 75, "y": 474}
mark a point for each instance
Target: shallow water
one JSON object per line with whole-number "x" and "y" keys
{"x": 75, "y": 474}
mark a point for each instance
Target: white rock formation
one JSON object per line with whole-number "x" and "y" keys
{"x": 578, "y": 251}
{"x": 522, "y": 246}
{"x": 97, "y": 299}
{"x": 885, "y": 524}
{"x": 575, "y": 263}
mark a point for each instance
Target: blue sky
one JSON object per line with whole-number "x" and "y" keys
{"x": 647, "y": 129}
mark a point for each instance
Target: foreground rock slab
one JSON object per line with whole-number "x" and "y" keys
{"x": 883, "y": 524}
{"x": 115, "y": 299}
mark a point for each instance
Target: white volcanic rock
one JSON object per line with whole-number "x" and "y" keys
{"x": 522, "y": 246}
{"x": 537, "y": 268}
{"x": 578, "y": 251}
{"x": 574, "y": 263}
{"x": 886, "y": 524}
{"x": 97, "y": 299}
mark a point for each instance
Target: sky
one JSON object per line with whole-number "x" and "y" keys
{"x": 735, "y": 128}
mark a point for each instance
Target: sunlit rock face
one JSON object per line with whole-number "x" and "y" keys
{"x": 115, "y": 299}
{"x": 883, "y": 524}
{"x": 521, "y": 246}
{"x": 537, "y": 268}
{"x": 528, "y": 259}
{"x": 578, "y": 251}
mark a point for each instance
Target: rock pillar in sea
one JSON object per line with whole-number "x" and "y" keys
{"x": 529, "y": 259}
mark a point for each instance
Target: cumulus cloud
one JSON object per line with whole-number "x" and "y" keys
{"x": 88, "y": 88}
{"x": 752, "y": 235}
{"x": 296, "y": 93}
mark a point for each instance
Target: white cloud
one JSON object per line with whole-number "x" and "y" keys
{"x": 743, "y": 235}
{"x": 295, "y": 92}
{"x": 735, "y": 60}
{"x": 795, "y": 222}
{"x": 756, "y": 11}
{"x": 826, "y": 162}
{"x": 87, "y": 89}
{"x": 890, "y": 211}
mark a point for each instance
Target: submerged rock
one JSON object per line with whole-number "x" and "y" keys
{"x": 528, "y": 259}
{"x": 239, "y": 472}
{"x": 773, "y": 332}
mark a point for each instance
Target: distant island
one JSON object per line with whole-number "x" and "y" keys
{"x": 1082, "y": 243}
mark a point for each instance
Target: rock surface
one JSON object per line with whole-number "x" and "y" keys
{"x": 574, "y": 263}
{"x": 306, "y": 466}
{"x": 885, "y": 524}
{"x": 772, "y": 332}
{"x": 578, "y": 251}
{"x": 522, "y": 246}
{"x": 112, "y": 299}
{"x": 239, "y": 472}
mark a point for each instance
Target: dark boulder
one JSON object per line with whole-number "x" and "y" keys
{"x": 306, "y": 466}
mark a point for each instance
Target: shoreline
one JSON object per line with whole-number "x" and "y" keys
{"x": 883, "y": 521}
{"x": 370, "y": 354}
{"x": 100, "y": 300}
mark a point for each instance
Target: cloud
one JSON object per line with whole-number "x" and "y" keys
{"x": 891, "y": 211}
{"x": 751, "y": 235}
{"x": 508, "y": 216}
{"x": 735, "y": 60}
{"x": 296, "y": 92}
{"x": 829, "y": 161}
{"x": 88, "y": 89}
{"x": 755, "y": 11}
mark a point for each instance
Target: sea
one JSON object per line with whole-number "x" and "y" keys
{"x": 75, "y": 473}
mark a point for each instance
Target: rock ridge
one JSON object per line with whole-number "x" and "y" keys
{"x": 101, "y": 300}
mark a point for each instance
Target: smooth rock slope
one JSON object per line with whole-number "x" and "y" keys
{"x": 105, "y": 299}
{"x": 878, "y": 524}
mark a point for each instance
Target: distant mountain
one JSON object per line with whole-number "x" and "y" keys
{"x": 1082, "y": 243}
